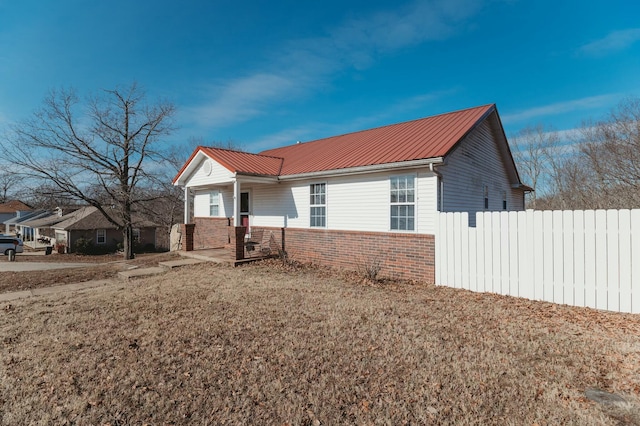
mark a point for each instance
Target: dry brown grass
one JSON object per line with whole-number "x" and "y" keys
{"x": 102, "y": 267}
{"x": 257, "y": 345}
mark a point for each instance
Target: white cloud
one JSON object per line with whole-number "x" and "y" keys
{"x": 306, "y": 65}
{"x": 615, "y": 41}
{"x": 241, "y": 99}
{"x": 591, "y": 102}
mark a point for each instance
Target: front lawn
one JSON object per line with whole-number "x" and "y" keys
{"x": 259, "y": 345}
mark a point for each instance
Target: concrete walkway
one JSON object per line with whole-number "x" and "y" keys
{"x": 190, "y": 258}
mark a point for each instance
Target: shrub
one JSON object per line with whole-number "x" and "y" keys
{"x": 371, "y": 268}
{"x": 84, "y": 246}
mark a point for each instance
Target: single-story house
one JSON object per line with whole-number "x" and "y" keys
{"x": 89, "y": 223}
{"x": 17, "y": 226}
{"x": 36, "y": 230}
{"x": 358, "y": 199}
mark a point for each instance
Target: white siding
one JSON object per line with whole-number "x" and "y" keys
{"x": 428, "y": 198}
{"x": 272, "y": 205}
{"x": 201, "y": 202}
{"x": 219, "y": 174}
{"x": 477, "y": 162}
{"x": 358, "y": 203}
{"x": 226, "y": 201}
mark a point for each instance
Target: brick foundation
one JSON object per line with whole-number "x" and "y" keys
{"x": 240, "y": 232}
{"x": 187, "y": 230}
{"x": 213, "y": 232}
{"x": 404, "y": 256}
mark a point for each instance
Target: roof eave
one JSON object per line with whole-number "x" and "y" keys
{"x": 256, "y": 177}
{"x": 525, "y": 188}
{"x": 410, "y": 164}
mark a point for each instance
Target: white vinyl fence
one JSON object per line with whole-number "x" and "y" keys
{"x": 575, "y": 257}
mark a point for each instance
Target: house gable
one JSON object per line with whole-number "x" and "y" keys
{"x": 218, "y": 166}
{"x": 202, "y": 170}
{"x": 480, "y": 163}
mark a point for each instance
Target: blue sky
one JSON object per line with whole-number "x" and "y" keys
{"x": 269, "y": 73}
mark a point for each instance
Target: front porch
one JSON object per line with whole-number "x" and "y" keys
{"x": 213, "y": 235}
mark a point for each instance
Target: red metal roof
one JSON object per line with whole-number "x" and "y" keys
{"x": 244, "y": 162}
{"x": 412, "y": 140}
{"x": 237, "y": 162}
{"x": 424, "y": 138}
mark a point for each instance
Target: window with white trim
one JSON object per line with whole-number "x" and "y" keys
{"x": 403, "y": 203}
{"x": 101, "y": 236}
{"x": 214, "y": 203}
{"x": 318, "y": 205}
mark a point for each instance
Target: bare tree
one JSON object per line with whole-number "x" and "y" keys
{"x": 110, "y": 144}
{"x": 9, "y": 180}
{"x": 539, "y": 155}
{"x": 611, "y": 149}
{"x": 597, "y": 169}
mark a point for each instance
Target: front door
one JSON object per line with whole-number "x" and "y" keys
{"x": 244, "y": 210}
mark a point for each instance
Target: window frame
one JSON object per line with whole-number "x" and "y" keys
{"x": 215, "y": 193}
{"x": 409, "y": 204}
{"x": 317, "y": 205}
{"x": 99, "y": 237}
{"x": 485, "y": 195}
{"x": 135, "y": 235}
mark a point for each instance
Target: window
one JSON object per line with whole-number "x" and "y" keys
{"x": 403, "y": 203}
{"x": 486, "y": 197}
{"x": 214, "y": 204}
{"x": 101, "y": 236}
{"x": 136, "y": 235}
{"x": 318, "y": 203}
{"x": 504, "y": 200}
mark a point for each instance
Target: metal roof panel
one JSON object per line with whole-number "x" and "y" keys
{"x": 424, "y": 138}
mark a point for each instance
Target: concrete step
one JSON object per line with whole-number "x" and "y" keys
{"x": 170, "y": 264}
{"x": 141, "y": 272}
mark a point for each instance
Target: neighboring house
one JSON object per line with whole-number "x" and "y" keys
{"x": 36, "y": 230}
{"x": 356, "y": 200}
{"x": 90, "y": 224}
{"x": 10, "y": 210}
{"x": 17, "y": 224}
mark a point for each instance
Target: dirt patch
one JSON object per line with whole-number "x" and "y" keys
{"x": 98, "y": 268}
{"x": 254, "y": 345}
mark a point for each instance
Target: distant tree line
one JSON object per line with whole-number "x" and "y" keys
{"x": 595, "y": 167}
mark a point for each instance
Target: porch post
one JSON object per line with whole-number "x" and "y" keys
{"x": 187, "y": 212}
{"x": 236, "y": 203}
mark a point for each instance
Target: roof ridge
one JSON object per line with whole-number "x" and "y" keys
{"x": 383, "y": 126}
{"x": 243, "y": 152}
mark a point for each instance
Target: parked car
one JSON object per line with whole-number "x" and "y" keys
{"x": 10, "y": 245}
